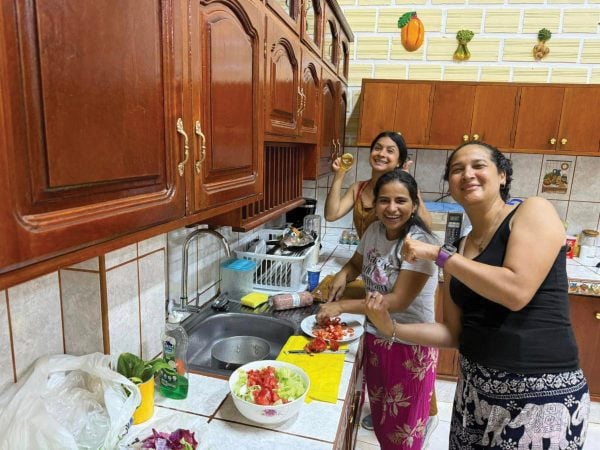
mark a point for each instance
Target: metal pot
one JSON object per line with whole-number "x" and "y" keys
{"x": 233, "y": 352}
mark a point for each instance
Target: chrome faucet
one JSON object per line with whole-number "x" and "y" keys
{"x": 184, "y": 269}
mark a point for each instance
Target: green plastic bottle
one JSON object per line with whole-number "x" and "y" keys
{"x": 174, "y": 381}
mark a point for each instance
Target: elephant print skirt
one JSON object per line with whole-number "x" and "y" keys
{"x": 506, "y": 411}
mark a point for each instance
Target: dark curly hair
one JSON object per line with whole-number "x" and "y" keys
{"x": 398, "y": 140}
{"x": 503, "y": 164}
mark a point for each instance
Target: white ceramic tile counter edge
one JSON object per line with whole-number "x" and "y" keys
{"x": 209, "y": 411}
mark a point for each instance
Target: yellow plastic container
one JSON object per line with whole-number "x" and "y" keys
{"x": 146, "y": 408}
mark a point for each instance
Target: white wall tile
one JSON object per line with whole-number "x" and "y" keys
{"x": 150, "y": 245}
{"x": 152, "y": 302}
{"x": 561, "y": 207}
{"x": 429, "y": 170}
{"x": 120, "y": 256}
{"x": 35, "y": 320}
{"x": 6, "y": 364}
{"x": 90, "y": 264}
{"x": 526, "y": 174}
{"x": 586, "y": 182}
{"x": 123, "y": 309}
{"x": 583, "y": 215}
{"x": 82, "y": 314}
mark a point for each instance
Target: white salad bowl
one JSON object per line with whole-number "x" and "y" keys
{"x": 268, "y": 414}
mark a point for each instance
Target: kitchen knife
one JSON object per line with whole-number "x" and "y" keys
{"x": 304, "y": 352}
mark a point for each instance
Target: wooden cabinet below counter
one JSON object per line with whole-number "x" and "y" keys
{"x": 585, "y": 317}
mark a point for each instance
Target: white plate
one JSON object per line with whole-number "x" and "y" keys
{"x": 352, "y": 320}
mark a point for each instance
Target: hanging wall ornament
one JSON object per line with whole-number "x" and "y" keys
{"x": 540, "y": 50}
{"x": 463, "y": 37}
{"x": 413, "y": 31}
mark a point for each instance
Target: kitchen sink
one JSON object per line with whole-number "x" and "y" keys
{"x": 204, "y": 333}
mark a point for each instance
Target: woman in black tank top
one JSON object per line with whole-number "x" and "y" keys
{"x": 506, "y": 309}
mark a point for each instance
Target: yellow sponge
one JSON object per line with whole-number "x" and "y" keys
{"x": 254, "y": 299}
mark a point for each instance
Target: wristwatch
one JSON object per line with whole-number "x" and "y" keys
{"x": 446, "y": 251}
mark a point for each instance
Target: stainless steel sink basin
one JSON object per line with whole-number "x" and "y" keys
{"x": 203, "y": 332}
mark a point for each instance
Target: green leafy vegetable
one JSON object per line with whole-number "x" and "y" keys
{"x": 138, "y": 370}
{"x": 290, "y": 385}
{"x": 544, "y": 35}
{"x": 462, "y": 53}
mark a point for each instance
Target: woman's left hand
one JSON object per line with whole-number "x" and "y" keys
{"x": 378, "y": 313}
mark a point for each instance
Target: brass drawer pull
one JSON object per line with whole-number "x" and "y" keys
{"x": 186, "y": 147}
{"x": 598, "y": 316}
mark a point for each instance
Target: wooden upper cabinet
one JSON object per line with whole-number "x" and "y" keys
{"x": 288, "y": 11}
{"x": 344, "y": 56}
{"x": 452, "y": 109}
{"x": 494, "y": 113}
{"x": 464, "y": 112}
{"x": 327, "y": 146}
{"x": 538, "y": 117}
{"x": 340, "y": 123}
{"x": 226, "y": 119}
{"x": 89, "y": 139}
{"x": 330, "y": 39}
{"x": 394, "y": 106}
{"x": 311, "y": 30}
{"x": 579, "y": 130}
{"x": 283, "y": 90}
{"x": 310, "y": 89}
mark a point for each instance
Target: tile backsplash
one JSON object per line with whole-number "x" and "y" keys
{"x": 578, "y": 203}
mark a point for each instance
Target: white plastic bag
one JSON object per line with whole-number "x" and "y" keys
{"x": 67, "y": 402}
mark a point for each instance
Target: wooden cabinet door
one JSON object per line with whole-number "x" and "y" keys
{"x": 310, "y": 88}
{"x": 411, "y": 117}
{"x": 344, "y": 56}
{"x": 452, "y": 109}
{"x": 585, "y": 317}
{"x": 377, "y": 108}
{"x": 447, "y": 367}
{"x": 226, "y": 55}
{"x": 88, "y": 140}
{"x": 288, "y": 11}
{"x": 330, "y": 53}
{"x": 340, "y": 122}
{"x": 579, "y": 130}
{"x": 538, "y": 117}
{"x": 311, "y": 28}
{"x": 327, "y": 147}
{"x": 282, "y": 81}
{"x": 494, "y": 114}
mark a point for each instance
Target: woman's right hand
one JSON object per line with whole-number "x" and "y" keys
{"x": 336, "y": 165}
{"x": 377, "y": 310}
{"x": 337, "y": 287}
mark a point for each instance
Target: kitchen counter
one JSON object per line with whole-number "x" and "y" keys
{"x": 584, "y": 276}
{"x": 209, "y": 412}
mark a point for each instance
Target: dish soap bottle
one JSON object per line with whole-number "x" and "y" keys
{"x": 174, "y": 381}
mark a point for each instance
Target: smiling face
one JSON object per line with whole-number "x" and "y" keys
{"x": 385, "y": 155}
{"x": 394, "y": 207}
{"x": 473, "y": 176}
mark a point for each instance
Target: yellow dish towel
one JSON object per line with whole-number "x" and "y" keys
{"x": 324, "y": 369}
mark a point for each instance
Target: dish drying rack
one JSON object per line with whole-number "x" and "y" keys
{"x": 279, "y": 272}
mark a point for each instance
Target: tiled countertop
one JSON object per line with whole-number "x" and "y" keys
{"x": 209, "y": 412}
{"x": 584, "y": 276}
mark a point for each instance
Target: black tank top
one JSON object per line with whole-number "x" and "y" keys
{"x": 536, "y": 339}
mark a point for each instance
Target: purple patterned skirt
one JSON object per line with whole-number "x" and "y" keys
{"x": 400, "y": 379}
{"x": 508, "y": 411}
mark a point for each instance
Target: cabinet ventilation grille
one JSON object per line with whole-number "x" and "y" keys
{"x": 282, "y": 180}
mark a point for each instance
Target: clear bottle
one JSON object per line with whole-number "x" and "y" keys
{"x": 174, "y": 382}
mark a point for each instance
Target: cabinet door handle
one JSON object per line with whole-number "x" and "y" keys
{"x": 552, "y": 141}
{"x": 334, "y": 152}
{"x": 186, "y": 147}
{"x": 339, "y": 147}
{"x": 475, "y": 137}
{"x": 303, "y": 99}
{"x": 465, "y": 138}
{"x": 598, "y": 316}
{"x": 563, "y": 141}
{"x": 199, "y": 133}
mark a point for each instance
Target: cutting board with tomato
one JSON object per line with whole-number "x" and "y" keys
{"x": 323, "y": 369}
